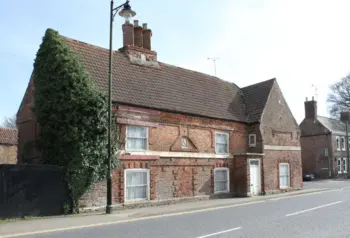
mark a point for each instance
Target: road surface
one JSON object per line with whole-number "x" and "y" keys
{"x": 325, "y": 214}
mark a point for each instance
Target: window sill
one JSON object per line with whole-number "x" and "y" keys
{"x": 221, "y": 192}
{"x": 134, "y": 150}
{"x": 227, "y": 154}
{"x": 136, "y": 201}
{"x": 287, "y": 187}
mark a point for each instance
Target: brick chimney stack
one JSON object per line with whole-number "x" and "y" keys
{"x": 128, "y": 34}
{"x": 345, "y": 116}
{"x": 138, "y": 34}
{"x": 147, "y": 34}
{"x": 310, "y": 109}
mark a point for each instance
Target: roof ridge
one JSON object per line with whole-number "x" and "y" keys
{"x": 88, "y": 44}
{"x": 194, "y": 71}
{"x": 252, "y": 85}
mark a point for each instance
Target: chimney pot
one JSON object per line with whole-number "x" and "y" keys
{"x": 136, "y": 23}
{"x": 138, "y": 33}
{"x": 313, "y": 98}
{"x": 306, "y": 99}
{"x": 147, "y": 34}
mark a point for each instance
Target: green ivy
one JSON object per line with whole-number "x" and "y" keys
{"x": 72, "y": 116}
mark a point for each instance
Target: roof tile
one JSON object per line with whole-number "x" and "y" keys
{"x": 172, "y": 88}
{"x": 8, "y": 136}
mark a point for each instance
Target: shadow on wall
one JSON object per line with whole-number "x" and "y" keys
{"x": 205, "y": 189}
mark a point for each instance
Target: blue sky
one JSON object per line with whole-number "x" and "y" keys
{"x": 299, "y": 42}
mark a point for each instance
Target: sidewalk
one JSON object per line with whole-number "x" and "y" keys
{"x": 99, "y": 219}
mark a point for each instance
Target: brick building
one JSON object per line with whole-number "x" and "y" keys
{"x": 323, "y": 143}
{"x": 8, "y": 146}
{"x": 184, "y": 133}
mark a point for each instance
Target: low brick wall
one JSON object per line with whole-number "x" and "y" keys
{"x": 8, "y": 154}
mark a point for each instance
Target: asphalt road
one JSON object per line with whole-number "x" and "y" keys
{"x": 324, "y": 214}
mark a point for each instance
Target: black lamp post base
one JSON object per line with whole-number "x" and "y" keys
{"x": 109, "y": 209}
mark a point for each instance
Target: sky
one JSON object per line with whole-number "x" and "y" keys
{"x": 300, "y": 42}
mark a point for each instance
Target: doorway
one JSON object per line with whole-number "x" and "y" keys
{"x": 255, "y": 179}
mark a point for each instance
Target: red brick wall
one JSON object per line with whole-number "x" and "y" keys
{"x": 169, "y": 179}
{"x": 27, "y": 129}
{"x": 271, "y": 162}
{"x": 313, "y": 158}
{"x": 200, "y": 131}
{"x": 241, "y": 176}
{"x": 174, "y": 178}
{"x": 279, "y": 128}
{"x": 255, "y": 129}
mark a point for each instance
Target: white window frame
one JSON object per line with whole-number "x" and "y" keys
{"x": 342, "y": 142}
{"x": 126, "y": 138}
{"x": 337, "y": 141}
{"x": 148, "y": 184}
{"x": 279, "y": 175}
{"x": 228, "y": 179}
{"x": 339, "y": 165}
{"x": 344, "y": 164}
{"x": 250, "y": 142}
{"x": 228, "y": 143}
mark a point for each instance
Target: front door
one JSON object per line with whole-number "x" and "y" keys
{"x": 255, "y": 185}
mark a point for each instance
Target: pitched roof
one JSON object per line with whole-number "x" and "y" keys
{"x": 8, "y": 136}
{"x": 255, "y": 98}
{"x": 171, "y": 88}
{"x": 332, "y": 124}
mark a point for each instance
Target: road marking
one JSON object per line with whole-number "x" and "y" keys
{"x": 127, "y": 221}
{"x": 220, "y": 232}
{"x": 314, "y": 208}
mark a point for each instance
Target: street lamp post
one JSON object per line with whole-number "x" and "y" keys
{"x": 127, "y": 13}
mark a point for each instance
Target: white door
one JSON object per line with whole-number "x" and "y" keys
{"x": 254, "y": 166}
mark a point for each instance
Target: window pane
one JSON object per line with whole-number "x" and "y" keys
{"x": 221, "y": 148}
{"x": 137, "y": 131}
{"x": 252, "y": 139}
{"x": 220, "y": 175}
{"x": 220, "y": 180}
{"x": 284, "y": 175}
{"x": 136, "y": 185}
{"x": 221, "y": 138}
{"x": 134, "y": 143}
{"x": 220, "y": 186}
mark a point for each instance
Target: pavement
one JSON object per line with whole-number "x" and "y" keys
{"x": 320, "y": 210}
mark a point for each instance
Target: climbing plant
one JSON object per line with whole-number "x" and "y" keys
{"x": 72, "y": 115}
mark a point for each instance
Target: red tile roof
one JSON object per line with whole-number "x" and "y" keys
{"x": 171, "y": 88}
{"x": 8, "y": 136}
